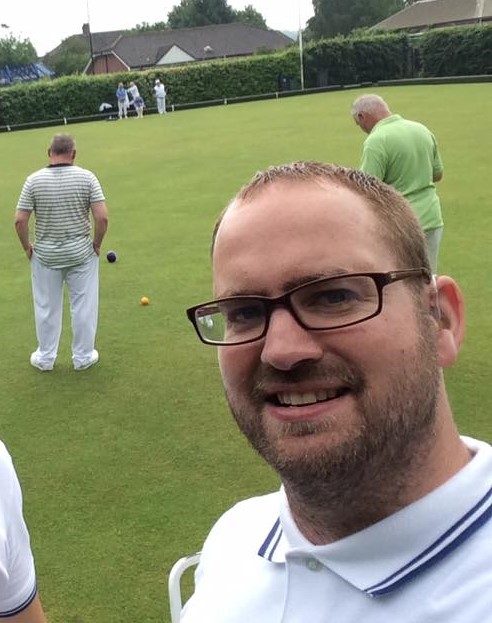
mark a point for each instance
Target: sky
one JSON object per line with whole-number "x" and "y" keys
{"x": 47, "y": 22}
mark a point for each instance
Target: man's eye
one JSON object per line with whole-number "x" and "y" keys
{"x": 335, "y": 297}
{"x": 244, "y": 315}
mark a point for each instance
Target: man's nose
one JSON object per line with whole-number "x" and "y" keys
{"x": 287, "y": 344}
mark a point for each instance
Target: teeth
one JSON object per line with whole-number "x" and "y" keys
{"x": 296, "y": 399}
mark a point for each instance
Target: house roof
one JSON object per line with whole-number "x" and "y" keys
{"x": 429, "y": 13}
{"x": 214, "y": 41}
{"x": 105, "y": 40}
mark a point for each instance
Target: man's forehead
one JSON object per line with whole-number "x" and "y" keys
{"x": 298, "y": 203}
{"x": 294, "y": 233}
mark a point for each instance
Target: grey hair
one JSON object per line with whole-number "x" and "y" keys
{"x": 62, "y": 144}
{"x": 372, "y": 104}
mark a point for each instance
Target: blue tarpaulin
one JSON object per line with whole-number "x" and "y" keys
{"x": 24, "y": 73}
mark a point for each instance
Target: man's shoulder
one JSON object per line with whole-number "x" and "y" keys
{"x": 79, "y": 169}
{"x": 39, "y": 173}
{"x": 416, "y": 126}
{"x": 247, "y": 521}
{"x": 255, "y": 508}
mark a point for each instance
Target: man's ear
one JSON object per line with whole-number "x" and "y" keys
{"x": 450, "y": 320}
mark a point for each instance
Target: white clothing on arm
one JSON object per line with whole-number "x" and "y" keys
{"x": 430, "y": 561}
{"x": 133, "y": 91}
{"x": 17, "y": 574}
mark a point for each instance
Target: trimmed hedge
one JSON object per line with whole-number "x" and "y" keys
{"x": 76, "y": 96}
{"x": 458, "y": 51}
{"x": 362, "y": 59}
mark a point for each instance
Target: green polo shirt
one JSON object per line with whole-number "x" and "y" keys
{"x": 405, "y": 155}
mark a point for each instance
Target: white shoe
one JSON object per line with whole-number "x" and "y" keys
{"x": 44, "y": 367}
{"x": 93, "y": 360}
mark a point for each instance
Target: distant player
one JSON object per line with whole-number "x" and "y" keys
{"x": 123, "y": 101}
{"x": 160, "y": 96}
{"x": 137, "y": 99}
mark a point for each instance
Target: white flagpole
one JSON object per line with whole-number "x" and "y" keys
{"x": 301, "y": 60}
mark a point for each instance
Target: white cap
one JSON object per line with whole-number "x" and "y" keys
{"x": 157, "y": 81}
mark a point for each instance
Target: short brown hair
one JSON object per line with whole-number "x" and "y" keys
{"x": 62, "y": 144}
{"x": 400, "y": 227}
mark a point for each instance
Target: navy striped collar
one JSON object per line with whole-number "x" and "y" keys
{"x": 387, "y": 555}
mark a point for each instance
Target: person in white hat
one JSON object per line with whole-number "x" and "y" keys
{"x": 160, "y": 96}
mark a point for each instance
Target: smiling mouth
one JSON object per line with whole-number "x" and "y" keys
{"x": 296, "y": 399}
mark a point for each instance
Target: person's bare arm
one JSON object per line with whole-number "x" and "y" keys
{"x": 100, "y": 216}
{"x": 21, "y": 223}
{"x": 32, "y": 614}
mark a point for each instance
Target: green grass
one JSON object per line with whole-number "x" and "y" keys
{"x": 126, "y": 466}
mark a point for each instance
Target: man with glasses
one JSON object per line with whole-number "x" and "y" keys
{"x": 332, "y": 336}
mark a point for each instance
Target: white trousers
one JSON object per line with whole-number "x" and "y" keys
{"x": 433, "y": 238}
{"x": 122, "y": 109}
{"x": 161, "y": 105}
{"x": 47, "y": 288}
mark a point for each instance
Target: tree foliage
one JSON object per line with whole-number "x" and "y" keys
{"x": 146, "y": 27}
{"x": 340, "y": 17}
{"x": 70, "y": 57}
{"x": 249, "y": 15}
{"x": 15, "y": 52}
{"x": 191, "y": 13}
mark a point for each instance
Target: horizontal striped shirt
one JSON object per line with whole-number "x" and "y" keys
{"x": 61, "y": 196}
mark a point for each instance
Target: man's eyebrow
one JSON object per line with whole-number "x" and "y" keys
{"x": 296, "y": 282}
{"x": 288, "y": 285}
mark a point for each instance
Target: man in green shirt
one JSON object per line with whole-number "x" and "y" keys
{"x": 405, "y": 155}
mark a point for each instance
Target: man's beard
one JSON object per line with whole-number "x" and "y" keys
{"x": 392, "y": 433}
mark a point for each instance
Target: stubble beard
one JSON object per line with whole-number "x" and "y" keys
{"x": 368, "y": 470}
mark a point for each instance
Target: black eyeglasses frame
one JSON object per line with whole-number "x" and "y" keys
{"x": 380, "y": 279}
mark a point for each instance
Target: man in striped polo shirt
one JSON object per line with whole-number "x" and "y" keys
{"x": 66, "y": 250}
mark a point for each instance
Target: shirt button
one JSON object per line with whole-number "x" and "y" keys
{"x": 313, "y": 564}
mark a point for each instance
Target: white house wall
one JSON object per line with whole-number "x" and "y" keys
{"x": 175, "y": 55}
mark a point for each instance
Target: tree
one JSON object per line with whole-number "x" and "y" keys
{"x": 146, "y": 27}
{"x": 190, "y": 13}
{"x": 70, "y": 57}
{"x": 15, "y": 52}
{"x": 335, "y": 17}
{"x": 249, "y": 15}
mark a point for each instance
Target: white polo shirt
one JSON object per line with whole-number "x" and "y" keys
{"x": 17, "y": 576}
{"x": 430, "y": 562}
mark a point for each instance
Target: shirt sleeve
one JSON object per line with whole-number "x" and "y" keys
{"x": 96, "y": 191}
{"x": 17, "y": 574}
{"x": 26, "y": 199}
{"x": 437, "y": 166}
{"x": 373, "y": 161}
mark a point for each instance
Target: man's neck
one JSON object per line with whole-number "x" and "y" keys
{"x": 61, "y": 159}
{"x": 326, "y": 511}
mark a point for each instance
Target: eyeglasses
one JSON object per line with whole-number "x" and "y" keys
{"x": 320, "y": 305}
